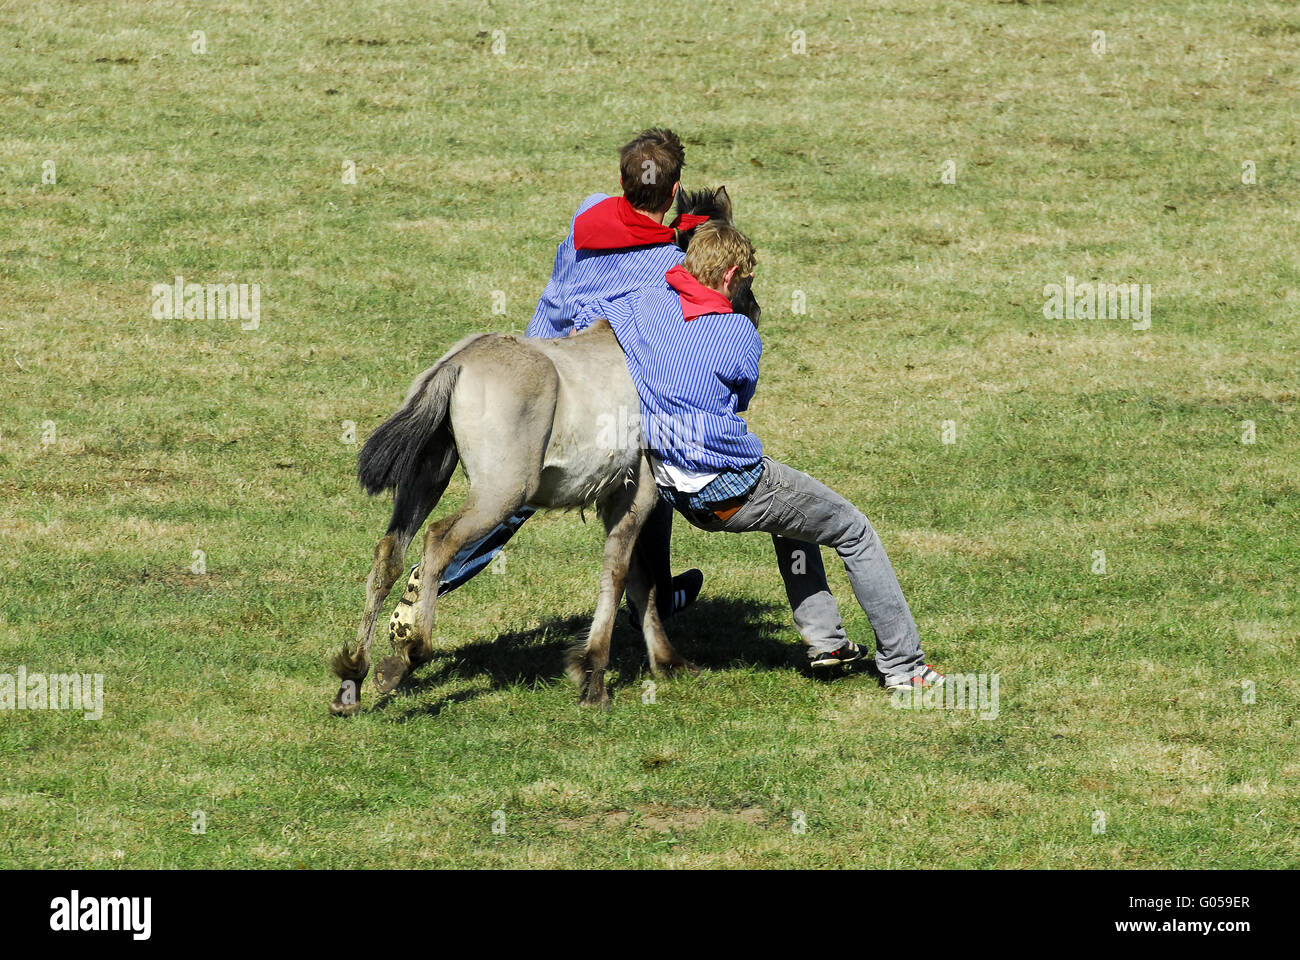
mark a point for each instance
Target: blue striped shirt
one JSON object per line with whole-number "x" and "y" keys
{"x": 580, "y": 277}
{"x": 693, "y": 378}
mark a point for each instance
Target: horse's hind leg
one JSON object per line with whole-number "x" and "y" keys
{"x": 442, "y": 541}
{"x": 411, "y": 508}
{"x": 624, "y": 513}
{"x": 351, "y": 666}
{"x": 471, "y": 560}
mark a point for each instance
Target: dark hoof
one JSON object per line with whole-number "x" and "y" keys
{"x": 347, "y": 702}
{"x": 390, "y": 672}
{"x": 676, "y": 667}
{"x": 594, "y": 692}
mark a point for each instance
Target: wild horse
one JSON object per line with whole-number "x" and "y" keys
{"x": 523, "y": 417}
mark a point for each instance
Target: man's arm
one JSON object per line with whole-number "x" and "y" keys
{"x": 590, "y": 314}
{"x": 550, "y": 308}
{"x": 745, "y": 379}
{"x": 550, "y": 319}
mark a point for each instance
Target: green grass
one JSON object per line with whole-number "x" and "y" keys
{"x": 1119, "y": 692}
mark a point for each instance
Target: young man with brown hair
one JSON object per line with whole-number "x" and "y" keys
{"x": 618, "y": 244}
{"x": 695, "y": 365}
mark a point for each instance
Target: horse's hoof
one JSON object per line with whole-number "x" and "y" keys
{"x": 675, "y": 667}
{"x": 389, "y": 674}
{"x": 599, "y": 704}
{"x": 347, "y": 702}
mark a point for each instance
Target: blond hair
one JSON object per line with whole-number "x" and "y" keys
{"x": 715, "y": 248}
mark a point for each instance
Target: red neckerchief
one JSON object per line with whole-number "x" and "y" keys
{"x": 697, "y": 299}
{"x": 612, "y": 224}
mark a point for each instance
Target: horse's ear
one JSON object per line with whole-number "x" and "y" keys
{"x": 724, "y": 202}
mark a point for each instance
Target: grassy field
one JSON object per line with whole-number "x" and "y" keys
{"x": 1147, "y": 713}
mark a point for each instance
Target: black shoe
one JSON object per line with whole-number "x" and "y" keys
{"x": 685, "y": 587}
{"x": 846, "y": 653}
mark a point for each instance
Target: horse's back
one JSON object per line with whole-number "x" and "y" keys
{"x": 502, "y": 408}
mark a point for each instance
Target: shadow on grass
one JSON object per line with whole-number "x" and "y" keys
{"x": 714, "y": 634}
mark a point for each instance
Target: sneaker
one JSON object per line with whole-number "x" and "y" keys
{"x": 928, "y": 677}
{"x": 685, "y": 586}
{"x": 845, "y": 653}
{"x": 403, "y": 618}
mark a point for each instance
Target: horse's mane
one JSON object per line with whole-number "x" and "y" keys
{"x": 704, "y": 202}
{"x": 700, "y": 201}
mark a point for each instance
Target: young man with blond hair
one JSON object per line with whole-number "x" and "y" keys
{"x": 695, "y": 365}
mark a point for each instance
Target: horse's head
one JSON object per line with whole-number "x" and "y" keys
{"x": 716, "y": 205}
{"x": 743, "y": 301}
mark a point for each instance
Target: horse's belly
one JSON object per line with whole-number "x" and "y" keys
{"x": 580, "y": 476}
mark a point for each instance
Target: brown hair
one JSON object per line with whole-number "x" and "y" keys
{"x": 715, "y": 248}
{"x": 649, "y": 166}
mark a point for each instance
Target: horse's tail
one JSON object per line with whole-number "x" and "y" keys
{"x": 414, "y": 451}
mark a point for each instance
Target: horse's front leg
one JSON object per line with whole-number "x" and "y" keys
{"x": 643, "y": 592}
{"x": 624, "y": 512}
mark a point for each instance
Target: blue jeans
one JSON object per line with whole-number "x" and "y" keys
{"x": 473, "y": 557}
{"x": 652, "y": 548}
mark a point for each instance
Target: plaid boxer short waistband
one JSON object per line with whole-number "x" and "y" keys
{"x": 721, "y": 497}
